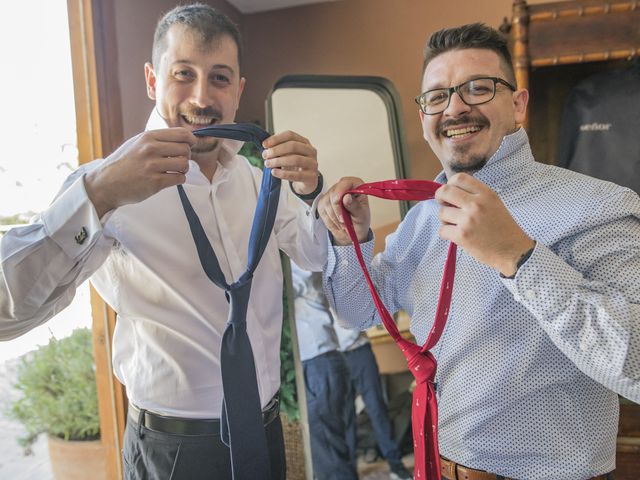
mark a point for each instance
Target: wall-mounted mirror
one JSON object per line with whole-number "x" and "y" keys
{"x": 354, "y": 123}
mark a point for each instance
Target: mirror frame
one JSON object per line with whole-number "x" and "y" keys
{"x": 378, "y": 85}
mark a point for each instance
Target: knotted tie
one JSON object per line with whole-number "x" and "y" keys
{"x": 421, "y": 362}
{"x": 241, "y": 425}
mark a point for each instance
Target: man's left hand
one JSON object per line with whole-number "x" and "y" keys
{"x": 474, "y": 218}
{"x": 292, "y": 157}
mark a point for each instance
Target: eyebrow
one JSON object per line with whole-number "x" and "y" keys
{"x": 217, "y": 66}
{"x": 469, "y": 78}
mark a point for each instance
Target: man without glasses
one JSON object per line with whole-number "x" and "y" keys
{"x": 138, "y": 251}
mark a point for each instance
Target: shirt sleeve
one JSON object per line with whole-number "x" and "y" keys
{"x": 300, "y": 233}
{"x": 391, "y": 271}
{"x": 346, "y": 288}
{"x": 42, "y": 263}
{"x": 585, "y": 294}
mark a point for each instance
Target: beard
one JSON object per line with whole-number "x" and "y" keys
{"x": 467, "y": 163}
{"x": 462, "y": 160}
{"x": 205, "y": 145}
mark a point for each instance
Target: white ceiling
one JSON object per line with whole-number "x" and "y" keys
{"x": 255, "y": 6}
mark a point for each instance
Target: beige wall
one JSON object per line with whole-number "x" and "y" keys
{"x": 347, "y": 37}
{"x": 357, "y": 37}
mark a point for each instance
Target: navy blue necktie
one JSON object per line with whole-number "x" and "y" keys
{"x": 242, "y": 427}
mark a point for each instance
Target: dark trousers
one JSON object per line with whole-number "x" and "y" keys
{"x": 331, "y": 417}
{"x": 365, "y": 378}
{"x": 150, "y": 455}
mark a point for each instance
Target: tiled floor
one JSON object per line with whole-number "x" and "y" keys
{"x": 379, "y": 470}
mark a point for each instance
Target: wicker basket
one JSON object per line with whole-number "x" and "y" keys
{"x": 294, "y": 449}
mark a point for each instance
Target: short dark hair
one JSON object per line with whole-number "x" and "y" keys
{"x": 203, "y": 19}
{"x": 473, "y": 35}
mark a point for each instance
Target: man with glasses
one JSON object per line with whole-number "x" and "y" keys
{"x": 544, "y": 325}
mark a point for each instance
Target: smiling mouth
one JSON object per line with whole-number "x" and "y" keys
{"x": 198, "y": 121}
{"x": 457, "y": 133}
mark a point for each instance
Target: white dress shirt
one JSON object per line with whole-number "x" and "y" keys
{"x": 142, "y": 260}
{"x": 527, "y": 368}
{"x": 314, "y": 321}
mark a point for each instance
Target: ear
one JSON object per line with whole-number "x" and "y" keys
{"x": 520, "y": 102}
{"x": 240, "y": 89}
{"x": 150, "y": 77}
{"x": 421, "y": 114}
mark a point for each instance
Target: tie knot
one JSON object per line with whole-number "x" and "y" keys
{"x": 238, "y": 294}
{"x": 243, "y": 283}
{"x": 422, "y": 364}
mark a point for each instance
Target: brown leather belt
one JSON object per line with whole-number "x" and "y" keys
{"x": 454, "y": 471}
{"x": 192, "y": 426}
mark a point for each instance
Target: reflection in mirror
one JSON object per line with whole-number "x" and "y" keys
{"x": 354, "y": 124}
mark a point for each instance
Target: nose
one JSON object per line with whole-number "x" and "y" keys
{"x": 200, "y": 93}
{"x": 456, "y": 106}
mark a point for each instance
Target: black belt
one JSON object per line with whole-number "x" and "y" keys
{"x": 193, "y": 426}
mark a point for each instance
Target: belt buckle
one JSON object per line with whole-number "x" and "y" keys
{"x": 271, "y": 411}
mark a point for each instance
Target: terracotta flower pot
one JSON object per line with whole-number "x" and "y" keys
{"x": 76, "y": 460}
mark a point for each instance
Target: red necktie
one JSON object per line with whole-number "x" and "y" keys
{"x": 419, "y": 359}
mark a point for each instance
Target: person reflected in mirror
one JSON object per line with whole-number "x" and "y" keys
{"x": 330, "y": 399}
{"x": 366, "y": 382}
{"x": 544, "y": 327}
{"x": 118, "y": 222}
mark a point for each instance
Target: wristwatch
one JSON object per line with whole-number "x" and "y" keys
{"x": 311, "y": 195}
{"x": 525, "y": 256}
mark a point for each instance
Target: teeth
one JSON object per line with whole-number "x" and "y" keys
{"x": 461, "y": 131}
{"x": 198, "y": 120}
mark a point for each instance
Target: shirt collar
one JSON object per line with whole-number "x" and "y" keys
{"x": 228, "y": 152}
{"x": 503, "y": 163}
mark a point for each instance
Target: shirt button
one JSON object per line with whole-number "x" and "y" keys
{"x": 530, "y": 295}
{"x": 81, "y": 236}
{"x": 344, "y": 263}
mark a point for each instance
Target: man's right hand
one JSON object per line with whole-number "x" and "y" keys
{"x": 357, "y": 205}
{"x": 140, "y": 167}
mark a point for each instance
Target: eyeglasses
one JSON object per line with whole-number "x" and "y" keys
{"x": 472, "y": 92}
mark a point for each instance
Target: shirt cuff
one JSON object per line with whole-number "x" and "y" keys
{"x": 345, "y": 257}
{"x": 312, "y": 210}
{"x": 72, "y": 221}
{"x": 544, "y": 282}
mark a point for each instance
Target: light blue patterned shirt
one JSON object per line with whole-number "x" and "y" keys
{"x": 527, "y": 368}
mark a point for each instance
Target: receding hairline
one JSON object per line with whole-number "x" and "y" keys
{"x": 503, "y": 64}
{"x": 202, "y": 43}
{"x": 470, "y": 36}
{"x": 201, "y": 20}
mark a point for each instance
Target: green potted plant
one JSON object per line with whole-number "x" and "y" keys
{"x": 57, "y": 387}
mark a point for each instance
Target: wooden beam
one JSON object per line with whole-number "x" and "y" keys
{"x": 90, "y": 24}
{"x": 520, "y": 46}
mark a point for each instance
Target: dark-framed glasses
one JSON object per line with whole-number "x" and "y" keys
{"x": 472, "y": 92}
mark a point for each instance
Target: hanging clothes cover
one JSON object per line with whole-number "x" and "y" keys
{"x": 599, "y": 129}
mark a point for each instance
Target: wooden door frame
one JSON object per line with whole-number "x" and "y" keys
{"x": 99, "y": 132}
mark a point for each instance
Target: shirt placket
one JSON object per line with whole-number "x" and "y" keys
{"x": 233, "y": 265}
